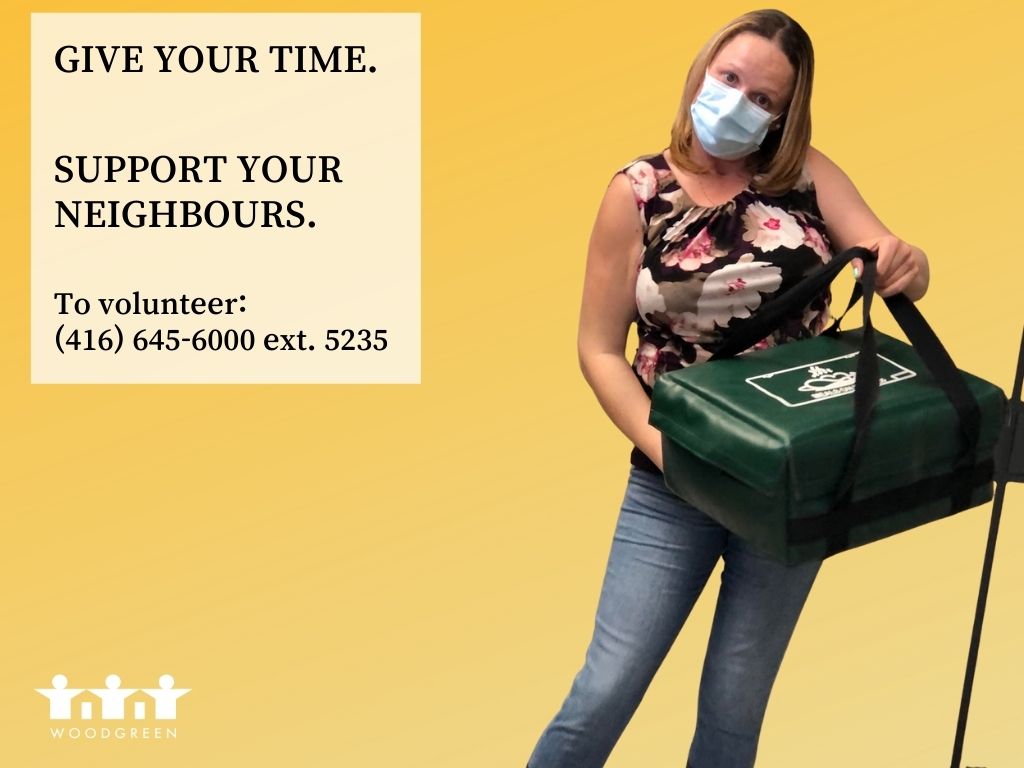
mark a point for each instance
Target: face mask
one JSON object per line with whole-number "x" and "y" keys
{"x": 728, "y": 124}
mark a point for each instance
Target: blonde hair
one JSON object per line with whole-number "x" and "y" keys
{"x": 777, "y": 164}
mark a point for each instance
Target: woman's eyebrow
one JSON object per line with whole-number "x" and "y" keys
{"x": 732, "y": 65}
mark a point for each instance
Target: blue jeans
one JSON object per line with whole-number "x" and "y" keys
{"x": 662, "y": 555}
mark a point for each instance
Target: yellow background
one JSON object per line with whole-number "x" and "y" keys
{"x": 407, "y": 575}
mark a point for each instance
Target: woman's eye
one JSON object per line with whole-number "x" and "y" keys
{"x": 729, "y": 77}
{"x": 763, "y": 101}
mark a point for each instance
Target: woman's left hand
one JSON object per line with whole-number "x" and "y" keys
{"x": 896, "y": 267}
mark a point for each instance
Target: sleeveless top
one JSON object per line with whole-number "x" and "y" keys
{"x": 703, "y": 267}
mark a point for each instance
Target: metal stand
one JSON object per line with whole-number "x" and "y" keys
{"x": 1009, "y": 467}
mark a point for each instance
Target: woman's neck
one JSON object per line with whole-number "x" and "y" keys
{"x": 718, "y": 166}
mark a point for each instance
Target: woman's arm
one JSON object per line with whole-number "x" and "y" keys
{"x": 849, "y": 221}
{"x": 607, "y": 310}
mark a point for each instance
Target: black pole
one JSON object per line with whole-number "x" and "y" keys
{"x": 1002, "y": 471}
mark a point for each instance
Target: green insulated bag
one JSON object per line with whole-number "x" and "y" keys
{"x": 816, "y": 446}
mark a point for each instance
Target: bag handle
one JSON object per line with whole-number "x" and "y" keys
{"x": 926, "y": 343}
{"x": 769, "y": 317}
{"x": 921, "y": 336}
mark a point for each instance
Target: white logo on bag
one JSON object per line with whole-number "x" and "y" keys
{"x": 823, "y": 379}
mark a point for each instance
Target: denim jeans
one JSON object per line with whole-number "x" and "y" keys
{"x": 662, "y": 555}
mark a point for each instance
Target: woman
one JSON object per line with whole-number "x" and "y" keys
{"x": 735, "y": 210}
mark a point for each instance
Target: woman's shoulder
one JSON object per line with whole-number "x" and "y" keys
{"x": 818, "y": 167}
{"x": 828, "y": 181}
{"x": 646, "y": 174}
{"x": 848, "y": 216}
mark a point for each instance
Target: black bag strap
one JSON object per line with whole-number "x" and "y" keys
{"x": 833, "y": 329}
{"x": 865, "y": 395}
{"x": 938, "y": 361}
{"x": 959, "y": 484}
{"x": 768, "y": 318}
{"x": 764, "y": 322}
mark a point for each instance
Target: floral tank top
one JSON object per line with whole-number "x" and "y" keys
{"x": 704, "y": 267}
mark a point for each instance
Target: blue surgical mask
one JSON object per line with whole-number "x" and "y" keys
{"x": 727, "y": 123}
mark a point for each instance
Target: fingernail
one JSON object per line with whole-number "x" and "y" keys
{"x": 856, "y": 272}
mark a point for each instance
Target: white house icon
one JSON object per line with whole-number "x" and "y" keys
{"x": 112, "y": 699}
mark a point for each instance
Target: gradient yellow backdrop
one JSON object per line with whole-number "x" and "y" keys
{"x": 407, "y": 575}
